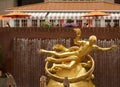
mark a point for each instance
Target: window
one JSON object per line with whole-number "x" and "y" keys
{"x": 79, "y": 23}
{"x": 1, "y": 23}
{"x": 52, "y": 22}
{"x": 24, "y": 23}
{"x": 107, "y": 23}
{"x": 116, "y": 23}
{"x": 41, "y": 21}
{"x": 17, "y": 23}
{"x": 97, "y": 23}
{"x": 34, "y": 23}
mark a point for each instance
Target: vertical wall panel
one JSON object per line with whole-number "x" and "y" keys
{"x": 21, "y": 58}
{"x": 28, "y": 62}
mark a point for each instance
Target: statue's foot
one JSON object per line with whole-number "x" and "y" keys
{"x": 53, "y": 71}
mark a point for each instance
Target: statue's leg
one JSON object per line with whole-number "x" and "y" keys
{"x": 65, "y": 59}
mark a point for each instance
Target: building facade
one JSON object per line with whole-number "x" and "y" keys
{"x": 78, "y": 0}
{"x": 4, "y": 4}
{"x": 70, "y": 13}
{"x": 13, "y": 3}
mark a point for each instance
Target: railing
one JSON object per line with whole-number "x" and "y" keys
{"x": 59, "y": 32}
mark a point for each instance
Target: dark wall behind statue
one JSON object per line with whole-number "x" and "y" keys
{"x": 21, "y": 59}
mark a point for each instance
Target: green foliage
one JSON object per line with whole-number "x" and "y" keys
{"x": 46, "y": 24}
{"x": 70, "y": 20}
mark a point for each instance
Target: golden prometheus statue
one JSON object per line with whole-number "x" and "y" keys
{"x": 75, "y": 63}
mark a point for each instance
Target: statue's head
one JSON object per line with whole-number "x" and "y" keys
{"x": 92, "y": 39}
{"x": 77, "y": 30}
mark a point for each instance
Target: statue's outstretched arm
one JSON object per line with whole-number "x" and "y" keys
{"x": 105, "y": 49}
{"x": 57, "y": 54}
{"x": 47, "y": 51}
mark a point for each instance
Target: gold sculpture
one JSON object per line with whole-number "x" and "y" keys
{"x": 69, "y": 62}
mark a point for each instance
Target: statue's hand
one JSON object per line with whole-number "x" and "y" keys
{"x": 90, "y": 77}
{"x": 41, "y": 50}
{"x": 113, "y": 46}
{"x": 54, "y": 67}
{"x": 89, "y": 63}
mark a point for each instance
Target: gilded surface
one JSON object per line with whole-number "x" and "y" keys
{"x": 74, "y": 62}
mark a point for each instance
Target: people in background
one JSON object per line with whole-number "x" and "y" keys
{"x": 108, "y": 25}
{"x": 7, "y": 24}
{"x": 85, "y": 25}
{"x": 112, "y": 24}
